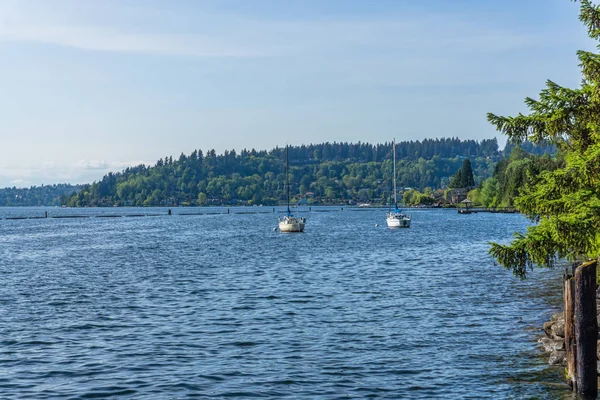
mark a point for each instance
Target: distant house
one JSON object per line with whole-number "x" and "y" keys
{"x": 458, "y": 195}
{"x": 438, "y": 195}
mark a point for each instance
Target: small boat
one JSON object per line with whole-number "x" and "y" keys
{"x": 396, "y": 218}
{"x": 289, "y": 223}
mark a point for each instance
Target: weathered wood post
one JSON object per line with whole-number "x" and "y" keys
{"x": 570, "y": 346}
{"x": 586, "y": 329}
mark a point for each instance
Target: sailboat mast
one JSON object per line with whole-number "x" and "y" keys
{"x": 287, "y": 176}
{"x": 394, "y": 177}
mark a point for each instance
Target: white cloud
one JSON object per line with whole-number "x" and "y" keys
{"x": 20, "y": 183}
{"x": 92, "y": 164}
{"x": 119, "y": 165}
{"x": 83, "y": 171}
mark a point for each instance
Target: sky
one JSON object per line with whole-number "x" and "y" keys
{"x": 88, "y": 87}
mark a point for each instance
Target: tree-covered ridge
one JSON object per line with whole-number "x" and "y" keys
{"x": 45, "y": 195}
{"x": 328, "y": 172}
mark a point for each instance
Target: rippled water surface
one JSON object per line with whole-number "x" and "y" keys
{"x": 215, "y": 306}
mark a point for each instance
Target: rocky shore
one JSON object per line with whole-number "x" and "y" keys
{"x": 554, "y": 340}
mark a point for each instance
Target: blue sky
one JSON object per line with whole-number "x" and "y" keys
{"x": 90, "y": 86}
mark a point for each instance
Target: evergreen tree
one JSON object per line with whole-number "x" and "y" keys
{"x": 466, "y": 175}
{"x": 457, "y": 180}
{"x": 463, "y": 178}
{"x": 566, "y": 201}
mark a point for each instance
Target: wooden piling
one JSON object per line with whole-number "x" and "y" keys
{"x": 586, "y": 329}
{"x": 570, "y": 344}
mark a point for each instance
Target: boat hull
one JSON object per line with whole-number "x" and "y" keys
{"x": 398, "y": 221}
{"x": 291, "y": 225}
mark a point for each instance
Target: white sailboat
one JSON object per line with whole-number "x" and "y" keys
{"x": 396, "y": 218}
{"x": 289, "y": 223}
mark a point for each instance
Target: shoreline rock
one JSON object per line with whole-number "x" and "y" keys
{"x": 553, "y": 343}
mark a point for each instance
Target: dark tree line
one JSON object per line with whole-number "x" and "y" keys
{"x": 539, "y": 149}
{"x": 408, "y": 150}
{"x": 45, "y": 195}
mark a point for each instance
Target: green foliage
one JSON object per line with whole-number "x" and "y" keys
{"x": 488, "y": 195}
{"x": 513, "y": 174}
{"x": 423, "y": 199}
{"x": 475, "y": 196}
{"x": 413, "y": 197}
{"x": 202, "y": 199}
{"x": 564, "y": 201}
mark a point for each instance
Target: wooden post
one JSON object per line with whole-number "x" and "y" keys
{"x": 586, "y": 329}
{"x": 570, "y": 346}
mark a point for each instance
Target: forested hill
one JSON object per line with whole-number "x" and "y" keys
{"x": 328, "y": 172}
{"x": 45, "y": 195}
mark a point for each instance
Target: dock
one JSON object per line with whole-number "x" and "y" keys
{"x": 475, "y": 210}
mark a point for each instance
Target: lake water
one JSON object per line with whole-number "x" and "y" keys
{"x": 215, "y": 306}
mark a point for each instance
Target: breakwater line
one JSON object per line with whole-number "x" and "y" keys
{"x": 36, "y": 213}
{"x": 77, "y": 213}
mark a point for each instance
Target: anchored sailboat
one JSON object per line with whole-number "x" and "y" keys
{"x": 396, "y": 218}
{"x": 289, "y": 222}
